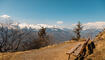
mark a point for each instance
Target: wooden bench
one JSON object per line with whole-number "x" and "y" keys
{"x": 73, "y": 49}
{"x": 78, "y": 49}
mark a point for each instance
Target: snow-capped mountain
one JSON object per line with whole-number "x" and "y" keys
{"x": 94, "y": 25}
{"x": 86, "y": 26}
{"x": 66, "y": 33}
{"x": 38, "y": 26}
{"x": 59, "y": 33}
{"x": 90, "y": 25}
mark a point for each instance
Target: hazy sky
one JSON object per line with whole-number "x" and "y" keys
{"x": 63, "y": 12}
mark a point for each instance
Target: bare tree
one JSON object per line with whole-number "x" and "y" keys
{"x": 10, "y": 38}
{"x": 77, "y": 30}
{"x": 15, "y": 39}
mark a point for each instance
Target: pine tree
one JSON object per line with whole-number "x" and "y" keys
{"x": 77, "y": 30}
{"x": 43, "y": 37}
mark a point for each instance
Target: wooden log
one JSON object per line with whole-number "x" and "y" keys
{"x": 73, "y": 49}
{"x": 76, "y": 53}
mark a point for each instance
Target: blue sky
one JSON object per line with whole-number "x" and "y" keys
{"x": 51, "y": 11}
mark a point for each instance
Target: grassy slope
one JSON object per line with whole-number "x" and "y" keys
{"x": 99, "y": 52}
{"x": 55, "y": 52}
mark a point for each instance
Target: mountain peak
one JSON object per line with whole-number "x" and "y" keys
{"x": 94, "y": 25}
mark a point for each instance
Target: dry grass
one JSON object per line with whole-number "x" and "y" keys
{"x": 54, "y": 52}
{"x": 99, "y": 52}
{"x": 57, "y": 52}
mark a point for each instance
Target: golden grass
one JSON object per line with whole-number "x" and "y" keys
{"x": 99, "y": 52}
{"x": 53, "y": 52}
{"x": 57, "y": 51}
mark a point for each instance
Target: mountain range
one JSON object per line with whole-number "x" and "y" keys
{"x": 58, "y": 33}
{"x": 61, "y": 34}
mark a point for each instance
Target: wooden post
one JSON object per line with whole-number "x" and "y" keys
{"x": 2, "y": 56}
{"x": 69, "y": 57}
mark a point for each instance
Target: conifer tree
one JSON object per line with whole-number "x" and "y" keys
{"x": 43, "y": 37}
{"x": 77, "y": 30}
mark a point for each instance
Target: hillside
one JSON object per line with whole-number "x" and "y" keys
{"x": 58, "y": 51}
{"x": 55, "y": 52}
{"x": 99, "y": 52}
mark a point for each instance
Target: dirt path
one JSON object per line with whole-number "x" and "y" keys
{"x": 57, "y": 52}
